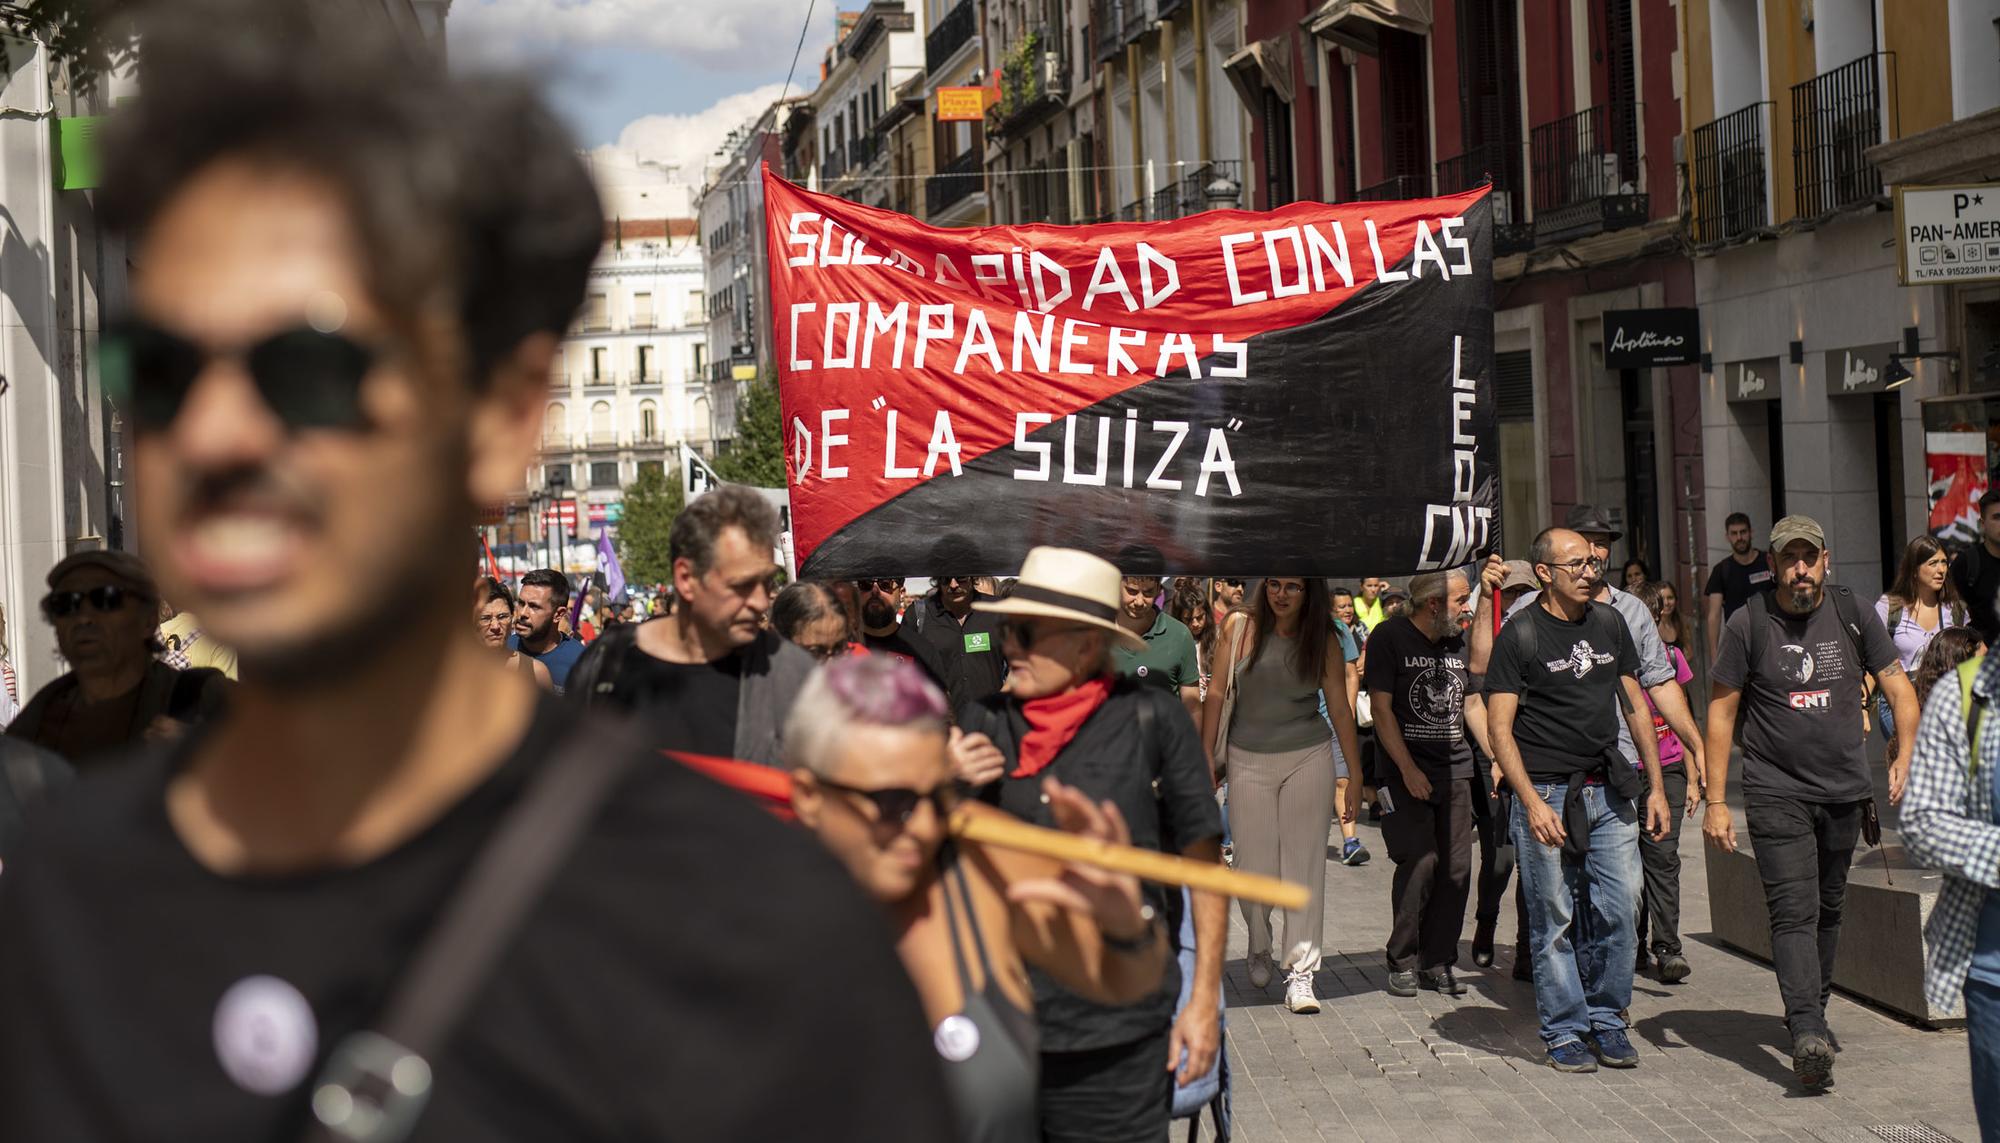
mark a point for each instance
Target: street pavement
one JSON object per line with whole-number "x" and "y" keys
{"x": 1373, "y": 1068}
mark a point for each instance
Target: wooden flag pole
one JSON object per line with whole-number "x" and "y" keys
{"x": 1163, "y": 868}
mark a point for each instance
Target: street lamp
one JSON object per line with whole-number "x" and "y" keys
{"x": 556, "y": 477}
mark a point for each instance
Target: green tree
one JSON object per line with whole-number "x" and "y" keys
{"x": 651, "y": 504}
{"x": 757, "y": 456}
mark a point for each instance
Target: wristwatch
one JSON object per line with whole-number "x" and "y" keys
{"x": 1140, "y": 943}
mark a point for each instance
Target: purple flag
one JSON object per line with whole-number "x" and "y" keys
{"x": 607, "y": 564}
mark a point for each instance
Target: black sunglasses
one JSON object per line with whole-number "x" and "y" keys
{"x": 899, "y": 804}
{"x": 1230, "y": 582}
{"x": 311, "y": 379}
{"x": 878, "y": 584}
{"x": 103, "y": 599}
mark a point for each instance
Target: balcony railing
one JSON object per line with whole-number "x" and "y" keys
{"x": 1134, "y": 211}
{"x": 1395, "y": 189}
{"x": 601, "y": 381}
{"x": 1116, "y": 23}
{"x": 1500, "y": 162}
{"x": 1189, "y": 196}
{"x": 1835, "y": 118}
{"x": 1034, "y": 83}
{"x": 1726, "y": 176}
{"x": 961, "y": 177}
{"x": 595, "y": 325}
{"x": 950, "y": 35}
{"x": 643, "y": 321}
{"x": 1588, "y": 178}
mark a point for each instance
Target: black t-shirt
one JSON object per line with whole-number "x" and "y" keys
{"x": 692, "y": 705}
{"x": 901, "y": 645}
{"x": 654, "y": 991}
{"x": 1105, "y": 761}
{"x": 1426, "y": 683}
{"x": 1801, "y": 707}
{"x": 1736, "y": 583}
{"x": 1567, "y": 675}
{"x": 1977, "y": 573}
{"x": 968, "y": 658}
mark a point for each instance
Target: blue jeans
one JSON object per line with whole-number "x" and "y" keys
{"x": 1982, "y": 1030}
{"x": 1580, "y": 985}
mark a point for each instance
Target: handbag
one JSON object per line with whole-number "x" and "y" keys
{"x": 1220, "y": 747}
{"x": 1364, "y": 710}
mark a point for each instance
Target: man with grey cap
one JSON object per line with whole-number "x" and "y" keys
{"x": 1656, "y": 674}
{"x": 106, "y": 615}
{"x": 1795, "y": 667}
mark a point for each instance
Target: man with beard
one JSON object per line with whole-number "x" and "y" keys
{"x": 1228, "y": 597}
{"x": 1417, "y": 682}
{"x": 1168, "y": 660}
{"x": 964, "y": 643}
{"x": 1735, "y": 579}
{"x": 391, "y": 887}
{"x": 1797, "y": 665}
{"x": 882, "y": 633}
{"x": 711, "y": 678}
{"x": 537, "y": 633}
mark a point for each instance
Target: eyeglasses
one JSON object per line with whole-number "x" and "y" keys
{"x": 1024, "y": 635}
{"x": 1284, "y": 589}
{"x": 827, "y": 651}
{"x": 310, "y": 379}
{"x": 103, "y": 599}
{"x": 1230, "y": 582}
{"x": 898, "y": 804}
{"x": 1579, "y": 567}
{"x": 882, "y": 585}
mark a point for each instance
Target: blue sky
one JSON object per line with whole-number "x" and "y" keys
{"x": 670, "y": 77}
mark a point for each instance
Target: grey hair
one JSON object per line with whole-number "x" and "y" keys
{"x": 863, "y": 690}
{"x": 1428, "y": 586}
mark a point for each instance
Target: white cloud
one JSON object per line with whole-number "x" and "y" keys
{"x": 687, "y": 141}
{"x": 714, "y": 33}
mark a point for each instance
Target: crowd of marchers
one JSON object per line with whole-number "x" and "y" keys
{"x": 305, "y": 854}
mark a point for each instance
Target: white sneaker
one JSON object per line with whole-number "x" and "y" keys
{"x": 1299, "y": 992}
{"x": 1260, "y": 970}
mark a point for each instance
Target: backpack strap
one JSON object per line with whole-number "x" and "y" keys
{"x": 594, "y": 678}
{"x": 375, "y": 1083}
{"x": 1759, "y": 607}
{"x": 1848, "y": 611}
{"x": 1974, "y": 705}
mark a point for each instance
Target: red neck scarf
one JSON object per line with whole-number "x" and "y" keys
{"x": 1054, "y": 720}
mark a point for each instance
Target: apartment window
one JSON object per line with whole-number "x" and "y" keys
{"x": 1489, "y": 98}
{"x": 597, "y": 312}
{"x": 597, "y": 373}
{"x": 1277, "y": 124}
{"x": 555, "y": 424}
{"x": 694, "y": 307}
{"x": 604, "y": 474}
{"x": 600, "y": 422}
{"x": 649, "y": 421}
{"x": 700, "y": 358}
{"x": 646, "y": 363}
{"x": 642, "y": 311}
{"x": 1405, "y": 127}
{"x": 555, "y": 475}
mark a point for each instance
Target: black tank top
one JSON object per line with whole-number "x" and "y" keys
{"x": 990, "y": 1047}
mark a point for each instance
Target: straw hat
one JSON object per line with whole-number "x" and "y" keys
{"x": 1063, "y": 583}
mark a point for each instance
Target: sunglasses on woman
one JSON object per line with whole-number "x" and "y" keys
{"x": 309, "y": 378}
{"x": 103, "y": 599}
{"x": 898, "y": 804}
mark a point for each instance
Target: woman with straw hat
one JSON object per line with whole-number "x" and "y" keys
{"x": 1107, "y": 1072}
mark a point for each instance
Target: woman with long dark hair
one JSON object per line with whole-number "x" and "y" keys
{"x": 1276, "y": 662}
{"x": 1949, "y": 648}
{"x": 1189, "y": 604}
{"x": 1922, "y": 601}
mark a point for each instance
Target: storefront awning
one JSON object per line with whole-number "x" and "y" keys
{"x": 1358, "y": 24}
{"x": 1266, "y": 63}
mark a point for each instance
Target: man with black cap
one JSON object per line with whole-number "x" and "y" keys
{"x": 1797, "y": 667}
{"x": 1661, "y": 856}
{"x": 106, "y": 614}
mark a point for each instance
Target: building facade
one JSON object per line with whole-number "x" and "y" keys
{"x": 630, "y": 384}
{"x": 858, "y": 103}
{"x": 1803, "y": 122}
{"x": 1172, "y": 127}
{"x": 736, "y": 283}
{"x": 955, "y": 56}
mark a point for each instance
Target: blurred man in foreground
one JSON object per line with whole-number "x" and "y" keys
{"x": 392, "y": 882}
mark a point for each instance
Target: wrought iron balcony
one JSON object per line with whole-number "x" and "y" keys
{"x": 1394, "y": 189}
{"x": 950, "y": 35}
{"x": 1134, "y": 211}
{"x": 1189, "y": 195}
{"x": 1835, "y": 118}
{"x": 1501, "y": 163}
{"x": 1034, "y": 83}
{"x": 959, "y": 178}
{"x": 1588, "y": 178}
{"x": 1115, "y": 24}
{"x": 1727, "y": 176}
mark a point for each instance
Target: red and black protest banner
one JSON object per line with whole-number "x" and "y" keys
{"x": 1305, "y": 391}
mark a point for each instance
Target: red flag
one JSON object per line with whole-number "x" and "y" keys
{"x": 492, "y": 565}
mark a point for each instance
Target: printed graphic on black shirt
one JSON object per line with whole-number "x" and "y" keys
{"x": 1426, "y": 683}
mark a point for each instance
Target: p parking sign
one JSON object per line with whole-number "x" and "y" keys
{"x": 1948, "y": 234}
